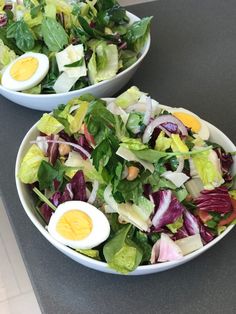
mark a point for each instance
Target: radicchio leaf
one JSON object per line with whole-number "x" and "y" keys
{"x": 52, "y": 151}
{"x": 165, "y": 250}
{"x": 46, "y": 212}
{"x": 190, "y": 223}
{"x": 217, "y": 200}
{"x": 78, "y": 186}
{"x": 226, "y": 162}
{"x": 167, "y": 208}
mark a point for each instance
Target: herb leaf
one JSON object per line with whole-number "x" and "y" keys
{"x": 54, "y": 34}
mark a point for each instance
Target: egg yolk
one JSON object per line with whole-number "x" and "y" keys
{"x": 74, "y": 225}
{"x": 24, "y": 68}
{"x": 188, "y": 120}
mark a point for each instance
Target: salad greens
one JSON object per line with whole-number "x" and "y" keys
{"x": 160, "y": 199}
{"x": 110, "y": 43}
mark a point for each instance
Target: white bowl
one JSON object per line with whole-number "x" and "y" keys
{"x": 105, "y": 88}
{"x": 28, "y": 205}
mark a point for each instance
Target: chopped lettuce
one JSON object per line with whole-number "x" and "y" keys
{"x": 7, "y": 55}
{"x": 103, "y": 64}
{"x": 207, "y": 167}
{"x": 75, "y": 162}
{"x": 132, "y": 143}
{"x": 178, "y": 223}
{"x": 121, "y": 253}
{"x": 49, "y": 125}
{"x": 177, "y": 144}
{"x": 129, "y": 97}
{"x": 162, "y": 142}
{"x": 30, "y": 164}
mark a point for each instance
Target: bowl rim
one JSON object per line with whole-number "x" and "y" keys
{"x": 103, "y": 266}
{"x": 86, "y": 89}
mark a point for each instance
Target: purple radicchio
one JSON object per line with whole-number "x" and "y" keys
{"x": 217, "y": 200}
{"x": 167, "y": 209}
{"x": 165, "y": 250}
{"x": 78, "y": 186}
{"x": 52, "y": 150}
{"x": 226, "y": 162}
{"x": 46, "y": 212}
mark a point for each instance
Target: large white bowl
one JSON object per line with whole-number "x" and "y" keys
{"x": 28, "y": 205}
{"x": 104, "y": 88}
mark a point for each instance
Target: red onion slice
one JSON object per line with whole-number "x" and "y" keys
{"x": 160, "y": 120}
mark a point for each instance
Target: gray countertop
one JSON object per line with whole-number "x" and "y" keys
{"x": 192, "y": 63}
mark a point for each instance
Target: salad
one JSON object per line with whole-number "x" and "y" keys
{"x": 58, "y": 46}
{"x": 129, "y": 182}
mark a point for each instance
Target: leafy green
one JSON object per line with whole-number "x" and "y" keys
{"x": 127, "y": 58}
{"x": 132, "y": 143}
{"x": 30, "y": 164}
{"x": 129, "y": 97}
{"x": 75, "y": 64}
{"x": 177, "y": 144}
{"x": 112, "y": 16}
{"x": 207, "y": 168}
{"x": 134, "y": 122}
{"x": 90, "y": 253}
{"x": 99, "y": 120}
{"x": 103, "y": 65}
{"x": 137, "y": 33}
{"x": 21, "y": 33}
{"x": 141, "y": 239}
{"x": 131, "y": 190}
{"x": 54, "y": 34}
{"x": 7, "y": 55}
{"x": 49, "y": 125}
{"x": 121, "y": 253}
{"x": 178, "y": 223}
{"x": 48, "y": 173}
{"x": 154, "y": 156}
{"x": 162, "y": 142}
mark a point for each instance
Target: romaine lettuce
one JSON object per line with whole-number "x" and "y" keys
{"x": 49, "y": 125}
{"x": 30, "y": 164}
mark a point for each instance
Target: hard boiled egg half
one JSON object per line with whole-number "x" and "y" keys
{"x": 190, "y": 120}
{"x": 25, "y": 72}
{"x": 79, "y": 225}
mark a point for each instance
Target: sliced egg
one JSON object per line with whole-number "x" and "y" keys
{"x": 79, "y": 225}
{"x": 190, "y": 120}
{"x": 25, "y": 72}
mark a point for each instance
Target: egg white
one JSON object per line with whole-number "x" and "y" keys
{"x": 43, "y": 66}
{"x": 100, "y": 229}
{"x": 203, "y": 132}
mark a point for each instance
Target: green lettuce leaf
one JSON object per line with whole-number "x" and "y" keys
{"x": 122, "y": 254}
{"x": 90, "y": 253}
{"x": 103, "y": 65}
{"x": 49, "y": 125}
{"x": 54, "y": 34}
{"x": 162, "y": 143}
{"x": 137, "y": 34}
{"x": 129, "y": 97}
{"x": 175, "y": 225}
{"x": 207, "y": 167}
{"x": 30, "y": 164}
{"x": 7, "y": 55}
{"x": 132, "y": 143}
{"x": 177, "y": 144}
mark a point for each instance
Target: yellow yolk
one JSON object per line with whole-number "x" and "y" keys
{"x": 74, "y": 225}
{"x": 24, "y": 68}
{"x": 188, "y": 120}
